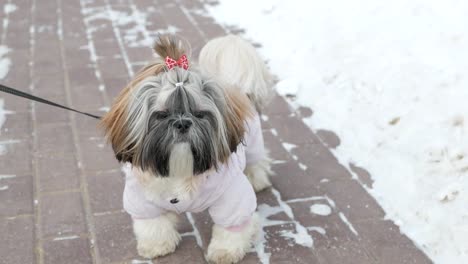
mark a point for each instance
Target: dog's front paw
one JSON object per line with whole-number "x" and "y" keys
{"x": 228, "y": 246}
{"x": 149, "y": 248}
{"x": 156, "y": 237}
{"x": 220, "y": 255}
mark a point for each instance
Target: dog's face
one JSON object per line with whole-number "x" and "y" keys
{"x": 172, "y": 108}
{"x": 181, "y": 108}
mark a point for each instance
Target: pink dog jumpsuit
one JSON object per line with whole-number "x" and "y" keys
{"x": 226, "y": 193}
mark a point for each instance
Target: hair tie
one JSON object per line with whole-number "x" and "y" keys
{"x": 179, "y": 84}
{"x": 182, "y": 62}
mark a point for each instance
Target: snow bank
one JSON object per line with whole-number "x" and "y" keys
{"x": 390, "y": 79}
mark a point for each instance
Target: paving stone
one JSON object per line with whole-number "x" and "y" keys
{"x": 107, "y": 48}
{"x": 276, "y": 150}
{"x": 56, "y": 137}
{"x": 57, "y": 171}
{"x": 105, "y": 191}
{"x": 329, "y": 138}
{"x": 82, "y": 75}
{"x": 353, "y": 200}
{"x": 320, "y": 162}
{"x": 89, "y": 127}
{"x": 382, "y": 238}
{"x": 15, "y": 157}
{"x": 278, "y": 106}
{"x": 305, "y": 112}
{"x": 46, "y": 114}
{"x": 187, "y": 252}
{"x": 140, "y": 54}
{"x": 204, "y": 224}
{"x": 15, "y": 103}
{"x": 17, "y": 240}
{"x": 115, "y": 238}
{"x": 70, "y": 250}
{"x": 184, "y": 225}
{"x": 62, "y": 214}
{"x": 16, "y": 195}
{"x": 111, "y": 67}
{"x": 363, "y": 175}
{"x": 406, "y": 255}
{"x": 349, "y": 253}
{"x": 76, "y": 57}
{"x": 16, "y": 126}
{"x": 51, "y": 86}
{"x": 267, "y": 200}
{"x": 284, "y": 250}
{"x": 292, "y": 130}
{"x": 114, "y": 85}
{"x": 97, "y": 155}
{"x": 326, "y": 230}
{"x": 87, "y": 98}
{"x": 293, "y": 181}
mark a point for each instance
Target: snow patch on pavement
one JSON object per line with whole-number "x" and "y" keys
{"x": 320, "y": 209}
{"x": 9, "y": 8}
{"x": 5, "y": 62}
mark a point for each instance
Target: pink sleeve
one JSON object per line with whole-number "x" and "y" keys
{"x": 134, "y": 200}
{"x": 255, "y": 147}
{"x": 236, "y": 205}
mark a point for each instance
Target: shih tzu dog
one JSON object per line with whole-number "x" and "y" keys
{"x": 190, "y": 140}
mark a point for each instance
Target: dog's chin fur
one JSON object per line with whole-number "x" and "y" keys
{"x": 181, "y": 182}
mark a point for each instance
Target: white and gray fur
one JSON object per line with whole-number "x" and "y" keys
{"x": 162, "y": 115}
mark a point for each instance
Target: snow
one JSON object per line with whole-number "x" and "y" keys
{"x": 2, "y": 115}
{"x": 65, "y": 238}
{"x": 5, "y": 62}
{"x": 389, "y": 78}
{"x": 345, "y": 220}
{"x": 320, "y": 209}
{"x": 195, "y": 231}
{"x": 9, "y": 8}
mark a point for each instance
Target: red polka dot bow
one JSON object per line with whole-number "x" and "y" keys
{"x": 182, "y": 62}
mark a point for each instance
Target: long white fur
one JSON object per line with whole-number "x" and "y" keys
{"x": 234, "y": 61}
{"x": 156, "y": 237}
{"x": 181, "y": 183}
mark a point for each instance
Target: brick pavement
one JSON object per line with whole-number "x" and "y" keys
{"x": 61, "y": 187}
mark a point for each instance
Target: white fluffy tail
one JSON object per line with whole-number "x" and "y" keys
{"x": 234, "y": 61}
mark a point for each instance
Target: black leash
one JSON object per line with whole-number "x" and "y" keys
{"x": 19, "y": 93}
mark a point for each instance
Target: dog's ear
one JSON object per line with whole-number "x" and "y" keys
{"x": 116, "y": 132}
{"x": 116, "y": 122}
{"x": 239, "y": 109}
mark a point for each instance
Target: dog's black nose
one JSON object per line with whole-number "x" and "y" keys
{"x": 182, "y": 125}
{"x": 174, "y": 201}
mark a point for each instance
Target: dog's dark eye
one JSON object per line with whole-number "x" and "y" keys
{"x": 161, "y": 115}
{"x": 199, "y": 114}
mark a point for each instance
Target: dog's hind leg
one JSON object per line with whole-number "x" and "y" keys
{"x": 258, "y": 174}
